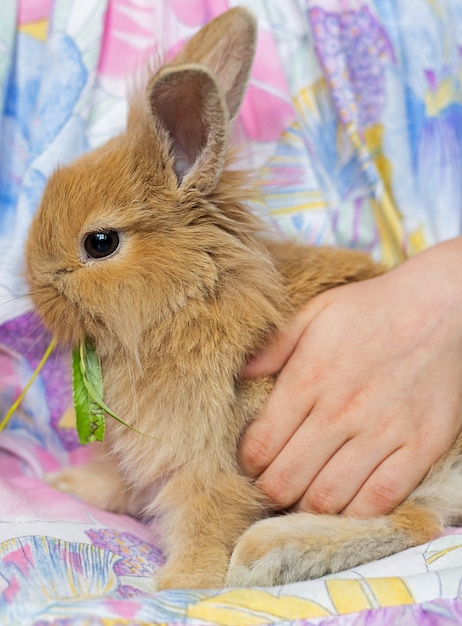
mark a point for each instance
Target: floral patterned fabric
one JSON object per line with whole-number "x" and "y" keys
{"x": 353, "y": 120}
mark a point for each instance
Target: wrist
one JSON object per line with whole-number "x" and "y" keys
{"x": 431, "y": 286}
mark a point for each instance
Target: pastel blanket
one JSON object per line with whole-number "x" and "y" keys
{"x": 353, "y": 119}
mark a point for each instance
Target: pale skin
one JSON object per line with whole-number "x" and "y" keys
{"x": 369, "y": 392}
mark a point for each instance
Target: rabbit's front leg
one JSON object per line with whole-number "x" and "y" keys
{"x": 202, "y": 516}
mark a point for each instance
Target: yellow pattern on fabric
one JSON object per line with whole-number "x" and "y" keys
{"x": 390, "y": 591}
{"x": 296, "y": 208}
{"x": 442, "y": 97}
{"x": 249, "y": 607}
{"x": 109, "y": 621}
{"x": 373, "y": 138}
{"x": 347, "y": 595}
{"x": 310, "y": 97}
{"x": 417, "y": 241}
{"x": 38, "y": 29}
{"x": 429, "y": 560}
{"x": 67, "y": 419}
{"x": 388, "y": 218}
{"x": 350, "y": 596}
{"x": 392, "y": 251}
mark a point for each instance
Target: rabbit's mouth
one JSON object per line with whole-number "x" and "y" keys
{"x": 66, "y": 313}
{"x": 60, "y": 314}
{"x": 61, "y": 319}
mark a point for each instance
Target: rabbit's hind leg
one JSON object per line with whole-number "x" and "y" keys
{"x": 301, "y": 546}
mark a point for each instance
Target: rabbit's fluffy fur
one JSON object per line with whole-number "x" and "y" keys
{"x": 193, "y": 289}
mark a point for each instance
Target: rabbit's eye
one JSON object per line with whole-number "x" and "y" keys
{"x": 101, "y": 244}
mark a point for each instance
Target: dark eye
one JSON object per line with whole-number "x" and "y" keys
{"x": 102, "y": 244}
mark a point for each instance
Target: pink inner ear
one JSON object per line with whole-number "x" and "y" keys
{"x": 187, "y": 102}
{"x": 188, "y": 137}
{"x": 179, "y": 107}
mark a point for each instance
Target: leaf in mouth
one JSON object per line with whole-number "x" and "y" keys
{"x": 87, "y": 391}
{"x": 87, "y": 388}
{"x": 87, "y": 385}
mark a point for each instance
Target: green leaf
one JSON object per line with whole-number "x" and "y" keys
{"x": 90, "y": 418}
{"x": 87, "y": 381}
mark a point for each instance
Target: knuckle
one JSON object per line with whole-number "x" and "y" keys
{"x": 384, "y": 497}
{"x": 277, "y": 491}
{"x": 255, "y": 455}
{"x": 320, "y": 499}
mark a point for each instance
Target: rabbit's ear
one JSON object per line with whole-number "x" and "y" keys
{"x": 187, "y": 103}
{"x": 226, "y": 46}
{"x": 195, "y": 95}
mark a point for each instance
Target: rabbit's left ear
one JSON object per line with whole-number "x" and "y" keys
{"x": 187, "y": 103}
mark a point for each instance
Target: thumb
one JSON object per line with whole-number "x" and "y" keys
{"x": 275, "y": 354}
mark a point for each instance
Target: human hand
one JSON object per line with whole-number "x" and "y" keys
{"x": 369, "y": 393}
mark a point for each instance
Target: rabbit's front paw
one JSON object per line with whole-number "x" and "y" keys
{"x": 84, "y": 482}
{"x": 71, "y": 480}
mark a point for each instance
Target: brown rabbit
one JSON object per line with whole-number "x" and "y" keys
{"x": 146, "y": 246}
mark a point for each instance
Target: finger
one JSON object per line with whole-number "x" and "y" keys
{"x": 267, "y": 435}
{"x": 285, "y": 480}
{"x": 391, "y": 483}
{"x": 338, "y": 482}
{"x": 276, "y": 353}
{"x": 289, "y": 404}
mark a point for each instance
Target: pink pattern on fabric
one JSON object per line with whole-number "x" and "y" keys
{"x": 126, "y": 610}
{"x": 267, "y": 66}
{"x": 198, "y": 12}
{"x": 22, "y": 558}
{"x": 12, "y": 589}
{"x": 128, "y": 40}
{"x": 33, "y": 11}
{"x": 264, "y": 115}
{"x": 268, "y": 94}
